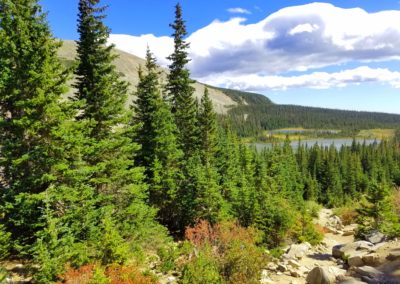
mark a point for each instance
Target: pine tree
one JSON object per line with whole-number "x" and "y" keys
{"x": 32, "y": 81}
{"x": 180, "y": 89}
{"x": 100, "y": 89}
{"x": 377, "y": 211}
{"x": 157, "y": 135}
{"x": 208, "y": 129}
{"x": 118, "y": 184}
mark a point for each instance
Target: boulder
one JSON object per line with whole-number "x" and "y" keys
{"x": 320, "y": 276}
{"x": 339, "y": 251}
{"x": 293, "y": 263}
{"x": 282, "y": 267}
{"x": 351, "y": 280}
{"x": 265, "y": 278}
{"x": 375, "y": 237}
{"x": 297, "y": 251}
{"x": 335, "y": 222}
{"x": 324, "y": 275}
{"x": 171, "y": 280}
{"x": 368, "y": 272}
{"x": 356, "y": 259}
{"x": 272, "y": 266}
{"x": 295, "y": 273}
{"x": 394, "y": 255}
{"x": 371, "y": 259}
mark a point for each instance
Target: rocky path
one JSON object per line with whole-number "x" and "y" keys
{"x": 354, "y": 262}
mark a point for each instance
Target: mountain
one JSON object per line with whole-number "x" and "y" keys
{"x": 251, "y": 113}
{"x": 127, "y": 65}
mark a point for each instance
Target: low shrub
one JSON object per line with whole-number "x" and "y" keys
{"x": 112, "y": 274}
{"x": 224, "y": 253}
{"x": 313, "y": 208}
{"x": 347, "y": 214}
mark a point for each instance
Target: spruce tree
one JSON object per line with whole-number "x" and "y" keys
{"x": 180, "y": 89}
{"x": 377, "y": 211}
{"x": 32, "y": 81}
{"x": 100, "y": 89}
{"x": 208, "y": 129}
{"x": 157, "y": 135}
{"x": 118, "y": 184}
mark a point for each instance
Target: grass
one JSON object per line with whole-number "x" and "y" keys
{"x": 377, "y": 133}
{"x": 302, "y": 134}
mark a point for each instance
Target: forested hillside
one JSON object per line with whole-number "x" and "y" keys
{"x": 93, "y": 191}
{"x": 256, "y": 113}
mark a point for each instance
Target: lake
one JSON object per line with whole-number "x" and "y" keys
{"x": 325, "y": 142}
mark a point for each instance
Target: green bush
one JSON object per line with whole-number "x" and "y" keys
{"x": 313, "y": 208}
{"x": 203, "y": 269}
{"x": 5, "y": 242}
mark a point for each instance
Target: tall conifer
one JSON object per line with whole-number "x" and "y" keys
{"x": 157, "y": 135}
{"x": 32, "y": 81}
{"x": 119, "y": 186}
{"x": 180, "y": 89}
{"x": 208, "y": 129}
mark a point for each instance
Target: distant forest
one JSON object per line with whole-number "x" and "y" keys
{"x": 256, "y": 113}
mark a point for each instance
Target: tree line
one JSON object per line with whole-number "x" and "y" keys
{"x": 255, "y": 113}
{"x": 85, "y": 180}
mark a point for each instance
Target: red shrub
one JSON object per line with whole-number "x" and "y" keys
{"x": 82, "y": 275}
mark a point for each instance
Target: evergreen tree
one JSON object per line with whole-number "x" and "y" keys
{"x": 157, "y": 135}
{"x": 32, "y": 81}
{"x": 208, "y": 129}
{"x": 119, "y": 188}
{"x": 180, "y": 89}
{"x": 377, "y": 212}
{"x": 100, "y": 90}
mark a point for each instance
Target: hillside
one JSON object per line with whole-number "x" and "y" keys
{"x": 256, "y": 112}
{"x": 252, "y": 112}
{"x": 127, "y": 64}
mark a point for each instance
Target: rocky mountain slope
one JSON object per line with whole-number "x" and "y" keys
{"x": 127, "y": 64}
{"x": 338, "y": 259}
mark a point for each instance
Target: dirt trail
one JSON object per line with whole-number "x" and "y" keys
{"x": 320, "y": 255}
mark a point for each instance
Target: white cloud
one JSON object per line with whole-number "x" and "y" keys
{"x": 315, "y": 80}
{"x": 137, "y": 45}
{"x": 300, "y": 38}
{"x": 303, "y": 28}
{"x": 238, "y": 11}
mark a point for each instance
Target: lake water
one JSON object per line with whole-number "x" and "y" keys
{"x": 325, "y": 142}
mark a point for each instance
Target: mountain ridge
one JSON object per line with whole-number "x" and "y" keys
{"x": 251, "y": 110}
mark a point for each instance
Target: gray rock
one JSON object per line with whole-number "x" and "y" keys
{"x": 319, "y": 275}
{"x": 371, "y": 259}
{"x": 339, "y": 251}
{"x": 368, "y": 272}
{"x": 324, "y": 275}
{"x": 295, "y": 273}
{"x": 265, "y": 277}
{"x": 171, "y": 280}
{"x": 281, "y": 267}
{"x": 293, "y": 263}
{"x": 356, "y": 259}
{"x": 297, "y": 251}
{"x": 272, "y": 266}
{"x": 375, "y": 237}
{"x": 351, "y": 280}
{"x": 394, "y": 255}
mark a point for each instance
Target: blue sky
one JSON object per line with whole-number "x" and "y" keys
{"x": 323, "y": 54}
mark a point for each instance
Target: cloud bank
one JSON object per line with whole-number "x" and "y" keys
{"x": 301, "y": 38}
